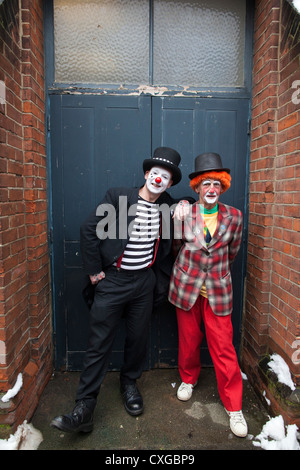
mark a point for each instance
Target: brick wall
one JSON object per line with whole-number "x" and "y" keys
{"x": 285, "y": 313}
{"x": 271, "y": 321}
{"x": 25, "y": 326}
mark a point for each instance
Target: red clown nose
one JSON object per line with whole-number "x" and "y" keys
{"x": 158, "y": 179}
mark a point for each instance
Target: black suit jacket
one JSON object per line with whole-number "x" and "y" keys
{"x": 99, "y": 253}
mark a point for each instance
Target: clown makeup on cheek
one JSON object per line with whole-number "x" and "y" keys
{"x": 210, "y": 191}
{"x": 158, "y": 180}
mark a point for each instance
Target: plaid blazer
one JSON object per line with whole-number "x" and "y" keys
{"x": 197, "y": 262}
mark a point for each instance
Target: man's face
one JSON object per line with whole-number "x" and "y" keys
{"x": 158, "y": 179}
{"x": 209, "y": 192}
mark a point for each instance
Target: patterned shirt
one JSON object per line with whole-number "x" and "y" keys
{"x": 139, "y": 250}
{"x": 210, "y": 223}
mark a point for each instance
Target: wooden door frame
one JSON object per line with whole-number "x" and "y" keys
{"x": 53, "y": 89}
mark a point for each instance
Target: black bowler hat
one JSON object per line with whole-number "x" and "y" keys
{"x": 208, "y": 162}
{"x": 167, "y": 158}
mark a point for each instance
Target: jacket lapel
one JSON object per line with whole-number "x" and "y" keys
{"x": 132, "y": 202}
{"x": 224, "y": 220}
{"x": 127, "y": 206}
{"x": 197, "y": 225}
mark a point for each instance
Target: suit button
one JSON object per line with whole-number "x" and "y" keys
{"x": 205, "y": 270}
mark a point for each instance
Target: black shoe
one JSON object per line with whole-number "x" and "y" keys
{"x": 80, "y": 420}
{"x": 132, "y": 398}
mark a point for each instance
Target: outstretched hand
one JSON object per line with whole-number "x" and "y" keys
{"x": 182, "y": 210}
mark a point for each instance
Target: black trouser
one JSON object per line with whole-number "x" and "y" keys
{"x": 120, "y": 293}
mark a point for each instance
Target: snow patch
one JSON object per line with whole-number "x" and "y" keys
{"x": 13, "y": 391}
{"x": 25, "y": 438}
{"x": 296, "y": 4}
{"x": 274, "y": 436}
{"x": 244, "y": 376}
{"x": 265, "y": 397}
{"x": 281, "y": 369}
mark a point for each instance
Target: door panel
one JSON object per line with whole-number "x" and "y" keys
{"x": 99, "y": 142}
{"x": 194, "y": 126}
{"x": 96, "y": 142}
{"x": 78, "y": 165}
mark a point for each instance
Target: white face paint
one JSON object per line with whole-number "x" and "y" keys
{"x": 210, "y": 191}
{"x": 158, "y": 179}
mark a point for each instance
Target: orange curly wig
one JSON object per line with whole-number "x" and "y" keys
{"x": 222, "y": 176}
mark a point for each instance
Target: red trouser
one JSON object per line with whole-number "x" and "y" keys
{"x": 218, "y": 330}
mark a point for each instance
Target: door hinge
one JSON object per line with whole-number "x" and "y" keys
{"x": 249, "y": 126}
{"x": 48, "y": 123}
{"x": 50, "y": 236}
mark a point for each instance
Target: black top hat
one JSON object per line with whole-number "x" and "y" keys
{"x": 167, "y": 158}
{"x": 207, "y": 162}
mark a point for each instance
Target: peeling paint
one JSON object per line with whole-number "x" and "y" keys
{"x": 123, "y": 90}
{"x": 186, "y": 91}
{"x": 152, "y": 90}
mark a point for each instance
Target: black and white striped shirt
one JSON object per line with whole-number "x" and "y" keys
{"x": 139, "y": 250}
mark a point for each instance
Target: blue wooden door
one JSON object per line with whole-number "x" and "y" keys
{"x": 96, "y": 143}
{"x": 99, "y": 142}
{"x": 194, "y": 126}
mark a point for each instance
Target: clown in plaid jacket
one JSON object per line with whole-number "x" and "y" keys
{"x": 198, "y": 262}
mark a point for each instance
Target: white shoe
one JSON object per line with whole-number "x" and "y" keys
{"x": 185, "y": 391}
{"x": 237, "y": 423}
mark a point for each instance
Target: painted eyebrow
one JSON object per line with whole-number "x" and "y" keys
{"x": 209, "y": 182}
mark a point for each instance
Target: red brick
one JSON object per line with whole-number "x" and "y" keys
{"x": 22, "y": 131}
{"x": 288, "y": 121}
{"x": 273, "y": 111}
